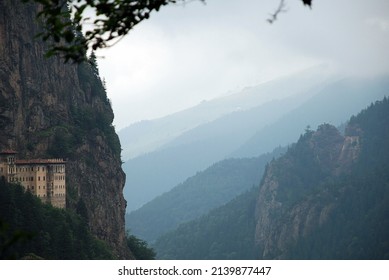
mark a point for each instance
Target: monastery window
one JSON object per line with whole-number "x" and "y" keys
{"x": 39, "y": 178}
{"x": 32, "y": 187}
{"x": 44, "y": 178}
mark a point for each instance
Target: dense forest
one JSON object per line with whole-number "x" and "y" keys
{"x": 224, "y": 233}
{"x": 350, "y": 197}
{"x": 358, "y": 228}
{"x": 30, "y": 229}
{"x": 197, "y": 195}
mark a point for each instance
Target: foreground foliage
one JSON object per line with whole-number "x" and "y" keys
{"x": 139, "y": 248}
{"x": 30, "y": 228}
{"x": 114, "y": 19}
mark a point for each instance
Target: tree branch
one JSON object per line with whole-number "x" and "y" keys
{"x": 280, "y": 9}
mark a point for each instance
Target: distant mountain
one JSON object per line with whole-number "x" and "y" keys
{"x": 154, "y": 173}
{"x": 245, "y": 134}
{"x": 334, "y": 104}
{"x": 150, "y": 135}
{"x": 327, "y": 197}
{"x": 204, "y": 191}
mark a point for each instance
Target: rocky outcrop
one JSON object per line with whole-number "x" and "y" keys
{"x": 292, "y": 202}
{"x": 52, "y": 109}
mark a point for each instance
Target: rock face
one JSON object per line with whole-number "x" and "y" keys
{"x": 52, "y": 109}
{"x": 291, "y": 203}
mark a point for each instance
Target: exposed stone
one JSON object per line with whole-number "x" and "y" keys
{"x": 37, "y": 100}
{"x": 279, "y": 226}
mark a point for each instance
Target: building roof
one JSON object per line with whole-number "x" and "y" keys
{"x": 8, "y": 152}
{"x": 40, "y": 161}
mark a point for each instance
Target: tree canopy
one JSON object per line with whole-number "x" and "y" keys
{"x": 64, "y": 21}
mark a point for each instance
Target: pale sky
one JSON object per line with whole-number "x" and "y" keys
{"x": 185, "y": 54}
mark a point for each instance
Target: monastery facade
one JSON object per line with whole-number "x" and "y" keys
{"x": 45, "y": 178}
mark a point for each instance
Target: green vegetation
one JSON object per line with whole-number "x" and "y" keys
{"x": 196, "y": 196}
{"x": 139, "y": 248}
{"x": 358, "y": 228}
{"x": 357, "y": 224}
{"x": 29, "y": 227}
{"x": 87, "y": 120}
{"x": 224, "y": 233}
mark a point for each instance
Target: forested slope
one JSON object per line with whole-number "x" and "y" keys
{"x": 199, "y": 194}
{"x": 326, "y": 198}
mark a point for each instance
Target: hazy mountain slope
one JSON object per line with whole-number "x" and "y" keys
{"x": 204, "y": 191}
{"x": 334, "y": 104}
{"x": 154, "y": 173}
{"x": 148, "y": 136}
{"x": 326, "y": 198}
{"x": 225, "y": 233}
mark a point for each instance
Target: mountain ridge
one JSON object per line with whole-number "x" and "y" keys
{"x": 194, "y": 197}
{"x": 246, "y": 134}
{"x": 325, "y": 198}
{"x": 147, "y": 136}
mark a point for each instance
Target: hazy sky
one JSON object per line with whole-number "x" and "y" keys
{"x": 185, "y": 54}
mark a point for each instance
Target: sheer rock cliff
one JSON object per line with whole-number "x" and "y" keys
{"x": 292, "y": 201}
{"x": 52, "y": 109}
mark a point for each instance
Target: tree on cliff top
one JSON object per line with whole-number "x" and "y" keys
{"x": 113, "y": 20}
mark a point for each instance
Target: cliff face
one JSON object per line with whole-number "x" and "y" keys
{"x": 293, "y": 200}
{"x": 52, "y": 109}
